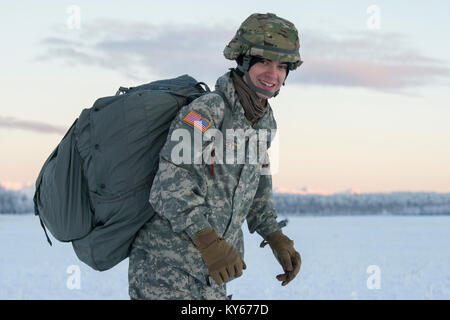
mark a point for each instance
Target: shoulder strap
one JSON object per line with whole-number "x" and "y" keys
{"x": 228, "y": 119}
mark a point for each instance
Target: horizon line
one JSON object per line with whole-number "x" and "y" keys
{"x": 20, "y": 185}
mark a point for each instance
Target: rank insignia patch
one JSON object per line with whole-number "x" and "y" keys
{"x": 197, "y": 121}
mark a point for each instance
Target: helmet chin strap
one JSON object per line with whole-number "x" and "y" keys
{"x": 244, "y": 68}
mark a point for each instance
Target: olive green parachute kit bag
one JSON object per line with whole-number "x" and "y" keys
{"x": 93, "y": 189}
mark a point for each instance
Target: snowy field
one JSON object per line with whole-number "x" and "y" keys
{"x": 371, "y": 257}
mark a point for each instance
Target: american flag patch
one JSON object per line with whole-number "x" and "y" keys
{"x": 197, "y": 121}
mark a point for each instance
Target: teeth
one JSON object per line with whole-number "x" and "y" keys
{"x": 267, "y": 84}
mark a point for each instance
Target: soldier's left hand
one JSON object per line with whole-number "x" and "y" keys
{"x": 289, "y": 259}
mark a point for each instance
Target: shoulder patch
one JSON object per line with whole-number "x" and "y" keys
{"x": 197, "y": 121}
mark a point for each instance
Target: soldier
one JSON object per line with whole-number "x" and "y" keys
{"x": 194, "y": 245}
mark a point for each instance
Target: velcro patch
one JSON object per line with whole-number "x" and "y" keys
{"x": 197, "y": 121}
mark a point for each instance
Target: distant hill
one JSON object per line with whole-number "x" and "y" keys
{"x": 395, "y": 203}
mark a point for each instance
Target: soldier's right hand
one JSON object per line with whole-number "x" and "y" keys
{"x": 221, "y": 258}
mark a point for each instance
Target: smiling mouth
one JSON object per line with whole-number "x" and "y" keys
{"x": 266, "y": 85}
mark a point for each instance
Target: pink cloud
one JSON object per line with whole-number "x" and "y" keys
{"x": 379, "y": 75}
{"x": 375, "y": 60}
{"x": 382, "y": 61}
{"x": 36, "y": 126}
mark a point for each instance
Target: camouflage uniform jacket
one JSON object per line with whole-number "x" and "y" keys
{"x": 189, "y": 197}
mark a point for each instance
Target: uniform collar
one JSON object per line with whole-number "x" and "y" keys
{"x": 225, "y": 85}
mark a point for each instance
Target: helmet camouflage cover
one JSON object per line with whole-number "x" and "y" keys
{"x": 267, "y": 36}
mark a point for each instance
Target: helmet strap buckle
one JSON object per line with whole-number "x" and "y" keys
{"x": 246, "y": 63}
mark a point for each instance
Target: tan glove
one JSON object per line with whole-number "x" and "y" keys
{"x": 283, "y": 249}
{"x": 221, "y": 258}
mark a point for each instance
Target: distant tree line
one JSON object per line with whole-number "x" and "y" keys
{"x": 396, "y": 203}
{"x": 14, "y": 202}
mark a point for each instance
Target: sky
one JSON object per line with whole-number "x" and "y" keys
{"x": 366, "y": 112}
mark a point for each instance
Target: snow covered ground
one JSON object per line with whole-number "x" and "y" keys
{"x": 370, "y": 257}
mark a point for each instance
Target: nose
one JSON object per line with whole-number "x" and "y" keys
{"x": 271, "y": 70}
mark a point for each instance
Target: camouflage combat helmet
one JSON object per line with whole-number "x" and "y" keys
{"x": 267, "y": 36}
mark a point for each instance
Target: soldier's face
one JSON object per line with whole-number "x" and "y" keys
{"x": 268, "y": 75}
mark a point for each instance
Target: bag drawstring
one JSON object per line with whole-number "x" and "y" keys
{"x": 43, "y": 227}
{"x": 212, "y": 162}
